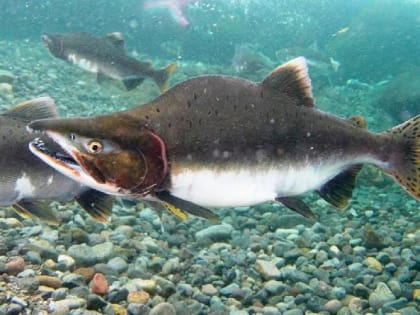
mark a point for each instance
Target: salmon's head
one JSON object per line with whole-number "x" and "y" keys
{"x": 112, "y": 154}
{"x": 54, "y": 43}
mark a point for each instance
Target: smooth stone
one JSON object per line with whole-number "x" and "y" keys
{"x": 117, "y": 264}
{"x": 333, "y": 306}
{"x": 163, "y": 309}
{"x": 294, "y": 311}
{"x": 99, "y": 284}
{"x": 138, "y": 309}
{"x": 274, "y": 286}
{"x": 394, "y": 305}
{"x": 139, "y": 297}
{"x": 95, "y": 302}
{"x": 29, "y": 284}
{"x": 267, "y": 269}
{"x": 116, "y": 296}
{"x": 209, "y": 289}
{"x": 49, "y": 281}
{"x": 230, "y": 289}
{"x": 410, "y": 310}
{"x": 374, "y": 264}
{"x": 59, "y": 294}
{"x": 271, "y": 310}
{"x": 381, "y": 295}
{"x": 73, "y": 280}
{"x": 356, "y": 305}
{"x": 15, "y": 265}
{"x": 215, "y": 233}
{"x": 66, "y": 305}
{"x": 67, "y": 261}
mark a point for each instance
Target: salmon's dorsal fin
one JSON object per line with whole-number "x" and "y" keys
{"x": 117, "y": 39}
{"x": 38, "y": 108}
{"x": 339, "y": 190}
{"x": 292, "y": 79}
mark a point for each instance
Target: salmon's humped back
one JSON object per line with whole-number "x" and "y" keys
{"x": 234, "y": 120}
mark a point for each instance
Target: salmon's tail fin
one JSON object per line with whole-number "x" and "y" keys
{"x": 162, "y": 76}
{"x": 406, "y": 168}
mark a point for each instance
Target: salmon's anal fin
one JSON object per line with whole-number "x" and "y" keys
{"x": 406, "y": 169}
{"x": 176, "y": 205}
{"x": 162, "y": 76}
{"x": 292, "y": 79}
{"x": 339, "y": 190}
{"x": 297, "y": 205}
{"x": 35, "y": 209}
{"x": 96, "y": 203}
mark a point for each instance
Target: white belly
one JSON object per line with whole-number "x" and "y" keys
{"x": 83, "y": 63}
{"x": 242, "y": 187}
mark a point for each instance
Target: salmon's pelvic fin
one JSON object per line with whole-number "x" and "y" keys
{"x": 162, "y": 76}
{"x": 406, "y": 170}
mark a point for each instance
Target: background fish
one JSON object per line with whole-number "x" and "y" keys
{"x": 25, "y": 181}
{"x": 105, "y": 56}
{"x": 218, "y": 141}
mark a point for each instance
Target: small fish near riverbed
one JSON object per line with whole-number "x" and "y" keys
{"x": 106, "y": 56}
{"x": 219, "y": 141}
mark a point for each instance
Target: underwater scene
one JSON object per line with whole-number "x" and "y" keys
{"x": 171, "y": 157}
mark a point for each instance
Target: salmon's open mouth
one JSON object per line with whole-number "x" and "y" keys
{"x": 53, "y": 158}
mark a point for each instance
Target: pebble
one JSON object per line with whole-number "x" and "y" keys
{"x": 49, "y": 281}
{"x": 215, "y": 233}
{"x": 117, "y": 264}
{"x": 332, "y": 306}
{"x": 99, "y": 284}
{"x": 140, "y": 297}
{"x": 267, "y": 269}
{"x": 15, "y": 265}
{"x": 274, "y": 286}
{"x": 67, "y": 261}
{"x": 374, "y": 264}
{"x": 163, "y": 309}
{"x": 209, "y": 289}
{"x": 380, "y": 296}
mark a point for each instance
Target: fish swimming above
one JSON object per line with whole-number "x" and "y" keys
{"x": 106, "y": 56}
{"x": 218, "y": 141}
{"x": 27, "y": 183}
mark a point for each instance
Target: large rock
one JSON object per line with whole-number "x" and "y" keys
{"x": 380, "y": 296}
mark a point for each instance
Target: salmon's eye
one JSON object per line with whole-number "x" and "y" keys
{"x": 95, "y": 147}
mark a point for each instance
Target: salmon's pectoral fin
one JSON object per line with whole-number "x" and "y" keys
{"x": 296, "y": 205}
{"x": 180, "y": 207}
{"x": 35, "y": 209}
{"x": 96, "y": 203}
{"x": 339, "y": 190}
{"x": 131, "y": 83}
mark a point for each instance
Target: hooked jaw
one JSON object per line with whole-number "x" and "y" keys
{"x": 68, "y": 162}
